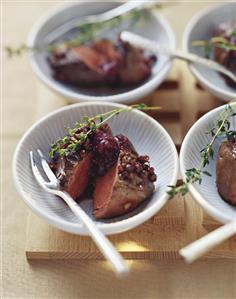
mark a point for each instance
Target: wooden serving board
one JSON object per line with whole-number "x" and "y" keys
{"x": 180, "y": 222}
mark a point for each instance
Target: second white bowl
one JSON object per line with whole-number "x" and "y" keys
{"x": 156, "y": 28}
{"x": 202, "y": 27}
{"x": 190, "y": 157}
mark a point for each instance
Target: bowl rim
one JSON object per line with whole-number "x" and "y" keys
{"x": 107, "y": 228}
{"x": 185, "y": 44}
{"x": 210, "y": 209}
{"x": 124, "y": 97}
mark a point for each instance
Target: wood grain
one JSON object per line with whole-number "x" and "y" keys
{"x": 144, "y": 242}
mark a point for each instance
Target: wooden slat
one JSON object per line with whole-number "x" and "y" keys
{"x": 146, "y": 241}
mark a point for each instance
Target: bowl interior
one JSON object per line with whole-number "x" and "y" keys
{"x": 203, "y": 27}
{"x": 147, "y": 136}
{"x": 154, "y": 28}
{"x": 194, "y": 142}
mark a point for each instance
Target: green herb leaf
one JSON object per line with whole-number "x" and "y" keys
{"x": 221, "y": 129}
{"x": 233, "y": 33}
{"x": 206, "y": 173}
{"x": 215, "y": 42}
{"x": 87, "y": 32}
{"x": 83, "y": 131}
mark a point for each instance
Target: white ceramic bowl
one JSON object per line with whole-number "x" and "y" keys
{"x": 195, "y": 140}
{"x": 156, "y": 28}
{"x": 202, "y": 27}
{"x": 148, "y": 137}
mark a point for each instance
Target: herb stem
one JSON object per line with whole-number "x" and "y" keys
{"x": 86, "y": 32}
{"x": 193, "y": 175}
{"x": 74, "y": 139}
{"x": 217, "y": 42}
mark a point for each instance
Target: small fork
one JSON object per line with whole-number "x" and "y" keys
{"x": 147, "y": 44}
{"x": 97, "y": 18}
{"x": 53, "y": 187}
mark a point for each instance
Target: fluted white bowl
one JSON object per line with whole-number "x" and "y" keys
{"x": 196, "y": 139}
{"x": 156, "y": 28}
{"x": 202, "y": 27}
{"x": 148, "y": 137}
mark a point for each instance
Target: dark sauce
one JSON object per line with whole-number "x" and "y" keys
{"x": 106, "y": 150}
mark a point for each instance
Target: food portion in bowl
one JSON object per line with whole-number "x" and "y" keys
{"x": 89, "y": 160}
{"x": 100, "y": 62}
{"x": 225, "y": 163}
{"x": 226, "y": 171}
{"x": 209, "y": 146}
{"x": 221, "y": 47}
{"x": 225, "y": 48}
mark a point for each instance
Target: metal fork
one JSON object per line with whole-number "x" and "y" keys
{"x": 53, "y": 187}
{"x": 147, "y": 44}
{"x": 98, "y": 18}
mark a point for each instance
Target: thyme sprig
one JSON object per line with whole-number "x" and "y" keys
{"x": 221, "y": 129}
{"x": 87, "y": 32}
{"x": 77, "y": 137}
{"x": 216, "y": 42}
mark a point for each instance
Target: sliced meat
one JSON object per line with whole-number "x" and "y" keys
{"x": 92, "y": 59}
{"x": 109, "y": 166}
{"x": 78, "y": 66}
{"x": 114, "y": 197}
{"x": 73, "y": 175}
{"x": 101, "y": 62}
{"x": 226, "y": 171}
{"x": 135, "y": 67}
{"x": 124, "y": 186}
{"x": 108, "y": 49}
{"x": 74, "y": 170}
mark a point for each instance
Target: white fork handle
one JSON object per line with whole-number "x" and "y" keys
{"x": 198, "y": 248}
{"x": 147, "y": 44}
{"x": 106, "y": 247}
{"x": 105, "y": 16}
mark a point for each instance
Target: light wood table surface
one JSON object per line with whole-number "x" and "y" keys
{"x": 210, "y": 278}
